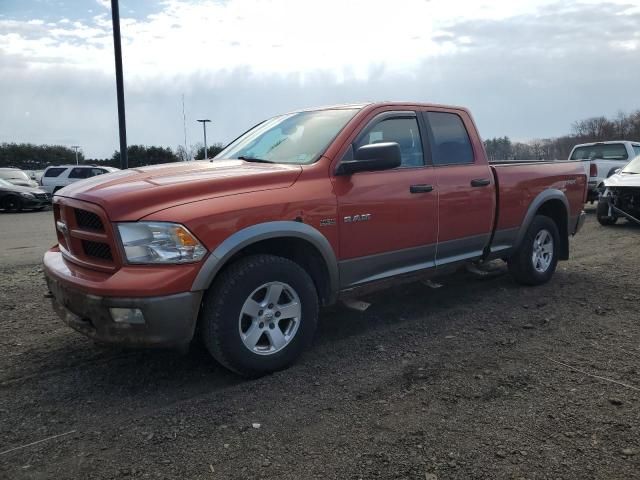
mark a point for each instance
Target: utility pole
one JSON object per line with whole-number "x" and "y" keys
{"x": 76, "y": 147}
{"x": 204, "y": 128}
{"x": 117, "y": 50}
{"x": 184, "y": 126}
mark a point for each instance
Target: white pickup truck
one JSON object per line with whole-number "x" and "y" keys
{"x": 605, "y": 158}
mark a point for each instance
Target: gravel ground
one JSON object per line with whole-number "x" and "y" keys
{"x": 480, "y": 378}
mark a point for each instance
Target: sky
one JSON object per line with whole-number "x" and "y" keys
{"x": 526, "y": 69}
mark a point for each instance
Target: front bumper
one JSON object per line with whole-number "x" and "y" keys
{"x": 35, "y": 202}
{"x": 169, "y": 321}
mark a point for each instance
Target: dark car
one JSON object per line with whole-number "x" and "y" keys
{"x": 14, "y": 198}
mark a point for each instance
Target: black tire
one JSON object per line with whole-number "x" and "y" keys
{"x": 12, "y": 203}
{"x": 602, "y": 214}
{"x": 521, "y": 263}
{"x": 220, "y": 318}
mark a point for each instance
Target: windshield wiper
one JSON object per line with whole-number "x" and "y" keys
{"x": 254, "y": 159}
{"x": 630, "y": 173}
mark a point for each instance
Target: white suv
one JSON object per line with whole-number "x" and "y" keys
{"x": 54, "y": 178}
{"x": 605, "y": 158}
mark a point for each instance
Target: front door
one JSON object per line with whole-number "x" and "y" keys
{"x": 387, "y": 219}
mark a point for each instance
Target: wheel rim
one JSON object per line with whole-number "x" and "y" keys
{"x": 270, "y": 318}
{"x": 542, "y": 255}
{"x": 10, "y": 204}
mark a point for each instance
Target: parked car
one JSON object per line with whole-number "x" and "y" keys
{"x": 59, "y": 176}
{"x": 17, "y": 177}
{"x": 605, "y": 158}
{"x": 621, "y": 197}
{"x": 15, "y": 198}
{"x": 299, "y": 211}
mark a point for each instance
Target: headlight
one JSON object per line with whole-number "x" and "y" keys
{"x": 27, "y": 195}
{"x": 159, "y": 242}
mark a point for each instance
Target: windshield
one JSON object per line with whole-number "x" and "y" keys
{"x": 610, "y": 151}
{"x": 297, "y": 138}
{"x": 13, "y": 175}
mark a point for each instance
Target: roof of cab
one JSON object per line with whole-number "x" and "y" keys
{"x": 359, "y": 106}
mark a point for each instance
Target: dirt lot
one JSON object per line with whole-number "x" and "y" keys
{"x": 478, "y": 379}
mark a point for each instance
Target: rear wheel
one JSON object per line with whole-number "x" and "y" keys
{"x": 537, "y": 257}
{"x": 12, "y": 203}
{"x": 602, "y": 214}
{"x": 260, "y": 315}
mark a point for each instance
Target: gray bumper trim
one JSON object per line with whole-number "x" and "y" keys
{"x": 170, "y": 321}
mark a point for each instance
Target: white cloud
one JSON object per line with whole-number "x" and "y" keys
{"x": 279, "y": 36}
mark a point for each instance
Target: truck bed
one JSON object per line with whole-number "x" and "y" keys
{"x": 518, "y": 183}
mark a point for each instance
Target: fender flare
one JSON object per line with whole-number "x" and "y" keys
{"x": 543, "y": 197}
{"x": 263, "y": 231}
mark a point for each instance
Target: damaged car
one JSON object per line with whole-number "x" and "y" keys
{"x": 621, "y": 198}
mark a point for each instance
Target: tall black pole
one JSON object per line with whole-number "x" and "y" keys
{"x": 117, "y": 48}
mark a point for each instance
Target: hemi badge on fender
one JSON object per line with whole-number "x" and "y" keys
{"x": 327, "y": 222}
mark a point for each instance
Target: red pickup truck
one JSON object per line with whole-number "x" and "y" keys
{"x": 298, "y": 211}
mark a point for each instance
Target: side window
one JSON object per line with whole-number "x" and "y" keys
{"x": 451, "y": 144}
{"x": 636, "y": 150}
{"x": 54, "y": 172}
{"x": 403, "y": 131}
{"x": 97, "y": 171}
{"x": 79, "y": 173}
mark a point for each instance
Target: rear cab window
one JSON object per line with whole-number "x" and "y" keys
{"x": 609, "y": 151}
{"x": 450, "y": 142}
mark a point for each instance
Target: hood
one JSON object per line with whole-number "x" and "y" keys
{"x": 22, "y": 183}
{"x": 138, "y": 192}
{"x": 623, "y": 180}
{"x": 21, "y": 189}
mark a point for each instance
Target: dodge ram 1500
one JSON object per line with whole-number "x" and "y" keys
{"x": 298, "y": 211}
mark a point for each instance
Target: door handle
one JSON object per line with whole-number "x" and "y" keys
{"x": 480, "y": 182}
{"x": 421, "y": 188}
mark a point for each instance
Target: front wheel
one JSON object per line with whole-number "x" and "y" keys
{"x": 602, "y": 214}
{"x": 260, "y": 315}
{"x": 12, "y": 203}
{"x": 536, "y": 259}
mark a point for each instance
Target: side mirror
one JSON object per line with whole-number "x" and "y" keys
{"x": 371, "y": 158}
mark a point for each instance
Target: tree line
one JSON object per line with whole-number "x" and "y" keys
{"x": 28, "y": 156}
{"x": 623, "y": 126}
{"x": 595, "y": 129}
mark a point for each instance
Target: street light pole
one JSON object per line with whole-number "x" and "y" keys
{"x": 76, "y": 147}
{"x": 204, "y": 129}
{"x": 117, "y": 50}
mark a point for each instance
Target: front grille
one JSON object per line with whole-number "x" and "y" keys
{"x": 97, "y": 250}
{"x": 42, "y": 196}
{"x": 85, "y": 234}
{"x": 90, "y": 220}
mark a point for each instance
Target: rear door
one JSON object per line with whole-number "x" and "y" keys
{"x": 466, "y": 190}
{"x": 387, "y": 219}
